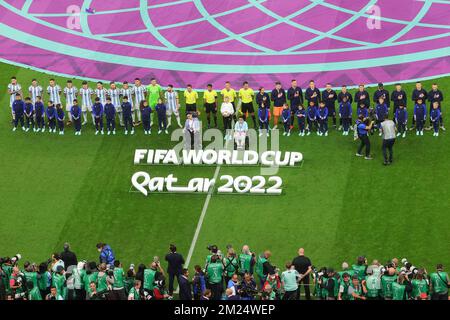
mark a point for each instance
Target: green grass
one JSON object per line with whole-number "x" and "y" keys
{"x": 66, "y": 188}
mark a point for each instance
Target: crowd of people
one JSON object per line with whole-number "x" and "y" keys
{"x": 310, "y": 110}
{"x": 228, "y": 275}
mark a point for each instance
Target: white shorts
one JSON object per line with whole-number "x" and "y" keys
{"x": 68, "y": 106}
{"x": 174, "y": 111}
{"x": 119, "y": 109}
{"x": 86, "y": 108}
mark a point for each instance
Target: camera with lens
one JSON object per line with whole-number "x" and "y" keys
{"x": 16, "y": 258}
{"x": 213, "y": 248}
{"x": 408, "y": 268}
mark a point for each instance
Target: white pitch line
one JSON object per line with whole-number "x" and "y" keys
{"x": 200, "y": 220}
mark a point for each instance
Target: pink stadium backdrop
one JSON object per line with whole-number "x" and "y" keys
{"x": 203, "y": 41}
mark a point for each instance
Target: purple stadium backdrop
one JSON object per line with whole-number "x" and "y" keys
{"x": 212, "y": 41}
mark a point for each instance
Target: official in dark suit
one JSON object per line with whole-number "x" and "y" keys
{"x": 185, "y": 285}
{"x": 175, "y": 266}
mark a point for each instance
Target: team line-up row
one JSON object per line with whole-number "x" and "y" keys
{"x": 135, "y": 104}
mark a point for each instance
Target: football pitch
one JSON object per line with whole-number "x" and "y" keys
{"x": 337, "y": 206}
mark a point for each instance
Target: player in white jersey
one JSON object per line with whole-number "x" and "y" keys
{"x": 35, "y": 90}
{"x": 140, "y": 94}
{"x": 54, "y": 91}
{"x": 13, "y": 88}
{"x": 70, "y": 92}
{"x": 173, "y": 105}
{"x": 114, "y": 94}
{"x": 127, "y": 91}
{"x": 101, "y": 93}
{"x": 86, "y": 102}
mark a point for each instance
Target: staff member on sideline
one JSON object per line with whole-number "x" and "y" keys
{"x": 363, "y": 129}
{"x": 388, "y": 132}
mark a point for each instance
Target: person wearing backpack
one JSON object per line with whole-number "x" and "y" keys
{"x": 439, "y": 283}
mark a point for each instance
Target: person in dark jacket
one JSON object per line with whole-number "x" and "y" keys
{"x": 106, "y": 253}
{"x": 68, "y": 257}
{"x": 401, "y": 118}
{"x": 110, "y": 113}
{"x": 382, "y": 93}
{"x": 161, "y": 111}
{"x": 29, "y": 115}
{"x": 39, "y": 111}
{"x": 76, "y": 112}
{"x": 398, "y": 97}
{"x": 198, "y": 283}
{"x": 341, "y": 95}
{"x": 420, "y": 115}
{"x": 18, "y": 108}
{"x": 185, "y": 286}
{"x": 51, "y": 116}
{"x": 60, "y": 115}
{"x": 435, "y": 95}
{"x": 146, "y": 112}
{"x": 329, "y": 97}
{"x": 345, "y": 114}
{"x": 97, "y": 111}
{"x": 362, "y": 96}
{"x": 175, "y": 263}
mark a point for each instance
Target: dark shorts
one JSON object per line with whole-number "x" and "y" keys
{"x": 247, "y": 107}
{"x": 191, "y": 107}
{"x": 210, "y": 107}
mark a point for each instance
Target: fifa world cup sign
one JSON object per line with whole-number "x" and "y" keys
{"x": 144, "y": 183}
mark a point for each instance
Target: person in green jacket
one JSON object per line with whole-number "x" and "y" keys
{"x": 246, "y": 261}
{"x": 33, "y": 291}
{"x": 386, "y": 283}
{"x": 360, "y": 267}
{"x": 263, "y": 267}
{"x": 214, "y": 273}
{"x": 420, "y": 286}
{"x": 401, "y": 289}
{"x": 59, "y": 282}
{"x": 134, "y": 293}
{"x": 371, "y": 285}
{"x": 231, "y": 265}
{"x": 439, "y": 283}
{"x": 151, "y": 275}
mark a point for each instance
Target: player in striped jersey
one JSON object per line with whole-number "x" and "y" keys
{"x": 101, "y": 93}
{"x": 54, "y": 91}
{"x": 86, "y": 101}
{"x": 140, "y": 94}
{"x": 114, "y": 94}
{"x": 173, "y": 105}
{"x": 70, "y": 92}
{"x": 128, "y": 92}
{"x": 13, "y": 88}
{"x": 35, "y": 90}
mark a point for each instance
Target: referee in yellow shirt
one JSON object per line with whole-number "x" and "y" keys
{"x": 190, "y": 97}
{"x": 246, "y": 95}
{"x": 231, "y": 95}
{"x": 210, "y": 98}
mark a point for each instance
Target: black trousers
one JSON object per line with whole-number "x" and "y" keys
{"x": 128, "y": 122}
{"x": 77, "y": 124}
{"x": 171, "y": 281}
{"x": 52, "y": 123}
{"x": 61, "y": 125}
{"x": 98, "y": 124}
{"x": 17, "y": 119}
{"x": 110, "y": 124}
{"x": 290, "y": 295}
{"x": 39, "y": 121}
{"x": 216, "y": 290}
{"x": 227, "y": 123}
{"x": 30, "y": 122}
{"x": 365, "y": 142}
{"x": 387, "y": 146}
{"x": 305, "y": 283}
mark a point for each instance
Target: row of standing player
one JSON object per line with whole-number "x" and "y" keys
{"x": 246, "y": 96}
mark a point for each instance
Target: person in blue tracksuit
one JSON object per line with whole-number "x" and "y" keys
{"x": 76, "y": 113}
{"x": 311, "y": 117}
{"x": 381, "y": 112}
{"x": 18, "y": 107}
{"x": 39, "y": 111}
{"x": 146, "y": 112}
{"x": 263, "y": 115}
{"x": 435, "y": 95}
{"x": 51, "y": 116}
{"x": 435, "y": 116}
{"x": 362, "y": 111}
{"x": 322, "y": 116}
{"x": 401, "y": 118}
{"x": 29, "y": 114}
{"x": 97, "y": 111}
{"x": 161, "y": 111}
{"x": 60, "y": 115}
{"x": 420, "y": 115}
{"x": 363, "y": 128}
{"x": 286, "y": 117}
{"x": 127, "y": 115}
{"x": 301, "y": 116}
{"x": 110, "y": 114}
{"x": 345, "y": 113}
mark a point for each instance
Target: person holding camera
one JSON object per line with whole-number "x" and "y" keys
{"x": 360, "y": 267}
{"x": 175, "y": 263}
{"x": 439, "y": 283}
{"x": 59, "y": 281}
{"x": 247, "y": 289}
{"x": 53, "y": 295}
{"x": 214, "y": 272}
{"x": 371, "y": 284}
{"x": 231, "y": 265}
{"x": 420, "y": 286}
{"x": 401, "y": 289}
{"x": 151, "y": 275}
{"x": 246, "y": 261}
{"x": 388, "y": 277}
{"x": 17, "y": 284}
{"x": 263, "y": 267}
{"x": 363, "y": 128}
{"x": 329, "y": 285}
